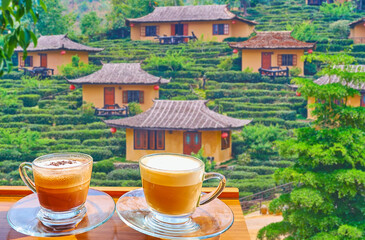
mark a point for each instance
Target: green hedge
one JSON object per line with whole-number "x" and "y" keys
{"x": 104, "y": 166}
{"x": 286, "y": 115}
{"x": 262, "y": 170}
{"x": 235, "y": 93}
{"x": 29, "y": 118}
{"x": 242, "y": 175}
{"x": 124, "y": 174}
{"x": 80, "y": 134}
{"x": 29, "y": 100}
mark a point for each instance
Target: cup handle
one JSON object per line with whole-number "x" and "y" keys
{"x": 23, "y": 174}
{"x": 212, "y": 195}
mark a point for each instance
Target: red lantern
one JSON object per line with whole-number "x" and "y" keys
{"x": 63, "y": 52}
{"x": 113, "y": 130}
{"x": 364, "y": 24}
{"x": 72, "y": 87}
{"x": 235, "y": 51}
{"x": 132, "y": 24}
{"x": 233, "y": 22}
{"x": 298, "y": 94}
{"x": 224, "y": 135}
{"x": 310, "y": 51}
{"x": 156, "y": 87}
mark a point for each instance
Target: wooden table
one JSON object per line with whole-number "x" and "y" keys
{"x": 115, "y": 228}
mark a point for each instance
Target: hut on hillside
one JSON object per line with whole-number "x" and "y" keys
{"x": 213, "y": 22}
{"x": 355, "y": 101}
{"x": 357, "y": 31}
{"x": 179, "y": 127}
{"x": 121, "y": 84}
{"x": 53, "y": 51}
{"x": 272, "y": 52}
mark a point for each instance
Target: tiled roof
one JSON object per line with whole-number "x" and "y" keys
{"x": 352, "y": 24}
{"x": 120, "y": 73}
{"x": 58, "y": 42}
{"x": 179, "y": 115}
{"x": 272, "y": 40}
{"x": 189, "y": 13}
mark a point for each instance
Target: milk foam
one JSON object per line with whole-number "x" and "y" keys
{"x": 171, "y": 170}
{"x": 59, "y": 163}
{"x": 171, "y": 162}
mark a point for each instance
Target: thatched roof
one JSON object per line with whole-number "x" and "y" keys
{"x": 120, "y": 73}
{"x": 58, "y": 42}
{"x": 335, "y": 79}
{"x": 361, "y": 20}
{"x": 272, "y": 40}
{"x": 179, "y": 115}
{"x": 189, "y": 14}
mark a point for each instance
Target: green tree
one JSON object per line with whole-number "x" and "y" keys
{"x": 14, "y": 32}
{"x": 329, "y": 170}
{"x": 337, "y": 10}
{"x": 340, "y": 28}
{"x": 306, "y": 31}
{"x": 90, "y": 24}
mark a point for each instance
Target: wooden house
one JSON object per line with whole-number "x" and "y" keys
{"x": 120, "y": 83}
{"x": 213, "y": 22}
{"x": 53, "y": 51}
{"x": 355, "y": 101}
{"x": 179, "y": 127}
{"x": 357, "y": 31}
{"x": 272, "y": 51}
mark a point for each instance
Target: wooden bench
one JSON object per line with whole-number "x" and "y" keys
{"x": 41, "y": 72}
{"x": 176, "y": 39}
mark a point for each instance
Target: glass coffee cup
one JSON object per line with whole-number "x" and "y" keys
{"x": 172, "y": 186}
{"x": 61, "y": 182}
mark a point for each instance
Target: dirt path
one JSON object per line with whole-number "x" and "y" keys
{"x": 255, "y": 221}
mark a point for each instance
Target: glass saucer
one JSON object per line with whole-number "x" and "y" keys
{"x": 22, "y": 216}
{"x": 213, "y": 218}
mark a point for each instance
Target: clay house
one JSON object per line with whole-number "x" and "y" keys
{"x": 355, "y": 101}
{"x": 213, "y": 22}
{"x": 120, "y": 83}
{"x": 53, "y": 51}
{"x": 272, "y": 52}
{"x": 320, "y": 2}
{"x": 357, "y": 31}
{"x": 179, "y": 127}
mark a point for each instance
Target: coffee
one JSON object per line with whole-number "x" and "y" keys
{"x": 172, "y": 183}
{"x": 62, "y": 184}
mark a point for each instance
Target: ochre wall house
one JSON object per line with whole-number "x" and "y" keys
{"x": 213, "y": 22}
{"x": 357, "y": 31}
{"x": 272, "y": 49}
{"x": 355, "y": 101}
{"x": 179, "y": 127}
{"x": 53, "y": 51}
{"x": 120, "y": 83}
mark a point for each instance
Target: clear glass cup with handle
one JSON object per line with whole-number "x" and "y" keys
{"x": 61, "y": 182}
{"x": 172, "y": 185}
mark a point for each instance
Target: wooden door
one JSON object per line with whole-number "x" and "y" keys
{"x": 192, "y": 142}
{"x": 362, "y": 100}
{"x": 266, "y": 60}
{"x": 109, "y": 96}
{"x": 186, "y": 32}
{"x": 43, "y": 58}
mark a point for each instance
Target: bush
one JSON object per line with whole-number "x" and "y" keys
{"x": 242, "y": 175}
{"x": 226, "y": 64}
{"x": 310, "y": 69}
{"x": 134, "y": 109}
{"x": 173, "y": 61}
{"x": 29, "y": 100}
{"x": 124, "y": 174}
{"x": 77, "y": 69}
{"x": 340, "y": 29}
{"x": 295, "y": 71}
{"x": 104, "y": 166}
{"x": 262, "y": 170}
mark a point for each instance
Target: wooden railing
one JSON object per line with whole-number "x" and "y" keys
{"x": 112, "y": 110}
{"x": 254, "y": 202}
{"x": 274, "y": 72}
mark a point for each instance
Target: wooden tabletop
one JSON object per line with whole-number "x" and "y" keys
{"x": 115, "y": 228}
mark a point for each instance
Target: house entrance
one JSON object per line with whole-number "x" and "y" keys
{"x": 109, "y": 96}
{"x": 192, "y": 142}
{"x": 266, "y": 60}
{"x": 43, "y": 58}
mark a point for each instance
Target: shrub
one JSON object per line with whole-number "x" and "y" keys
{"x": 226, "y": 64}
{"x": 242, "y": 175}
{"x": 337, "y": 10}
{"x": 306, "y": 31}
{"x": 104, "y": 166}
{"x": 340, "y": 29}
{"x": 134, "y": 108}
{"x": 77, "y": 69}
{"x": 173, "y": 61}
{"x": 124, "y": 174}
{"x": 29, "y": 100}
{"x": 295, "y": 71}
{"x": 262, "y": 170}
{"x": 310, "y": 68}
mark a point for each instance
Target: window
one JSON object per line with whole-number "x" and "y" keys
{"x": 225, "y": 141}
{"x": 133, "y": 96}
{"x": 151, "y": 31}
{"x": 149, "y": 139}
{"x": 28, "y": 62}
{"x": 220, "y": 29}
{"x": 362, "y": 100}
{"x": 287, "y": 60}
